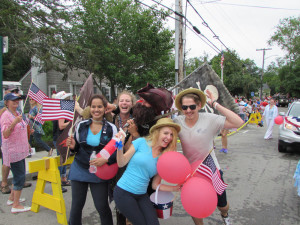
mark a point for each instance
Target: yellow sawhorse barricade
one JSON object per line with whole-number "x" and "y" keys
{"x": 47, "y": 169}
{"x": 255, "y": 118}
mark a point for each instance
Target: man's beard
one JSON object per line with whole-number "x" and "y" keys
{"x": 143, "y": 114}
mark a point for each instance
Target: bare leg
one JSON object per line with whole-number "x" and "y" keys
{"x": 5, "y": 173}
{"x": 224, "y": 210}
{"x": 16, "y": 203}
{"x": 198, "y": 221}
{"x": 224, "y": 138}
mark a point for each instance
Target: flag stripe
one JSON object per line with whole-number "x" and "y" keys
{"x": 206, "y": 168}
{"x": 36, "y": 94}
{"x": 54, "y": 109}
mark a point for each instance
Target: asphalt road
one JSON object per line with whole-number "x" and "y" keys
{"x": 261, "y": 187}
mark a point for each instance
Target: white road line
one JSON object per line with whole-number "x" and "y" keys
{"x": 245, "y": 131}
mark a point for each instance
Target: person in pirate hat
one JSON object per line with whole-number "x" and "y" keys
{"x": 198, "y": 131}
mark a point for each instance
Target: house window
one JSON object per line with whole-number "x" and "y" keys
{"x": 51, "y": 88}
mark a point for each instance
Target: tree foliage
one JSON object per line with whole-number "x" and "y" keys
{"x": 239, "y": 76}
{"x": 287, "y": 37}
{"x": 25, "y": 22}
{"x": 117, "y": 40}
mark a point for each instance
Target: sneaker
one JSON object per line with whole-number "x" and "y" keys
{"x": 63, "y": 190}
{"x": 225, "y": 150}
{"x": 9, "y": 202}
{"x": 226, "y": 220}
{"x": 25, "y": 209}
{"x": 222, "y": 150}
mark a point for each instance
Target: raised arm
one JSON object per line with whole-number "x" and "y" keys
{"x": 233, "y": 120}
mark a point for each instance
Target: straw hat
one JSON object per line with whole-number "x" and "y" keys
{"x": 195, "y": 91}
{"x": 165, "y": 122}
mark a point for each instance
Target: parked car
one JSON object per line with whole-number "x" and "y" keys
{"x": 289, "y": 130}
{"x": 283, "y": 101}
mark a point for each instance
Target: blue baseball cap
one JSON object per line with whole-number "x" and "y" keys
{"x": 12, "y": 97}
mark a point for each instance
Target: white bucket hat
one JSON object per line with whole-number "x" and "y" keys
{"x": 62, "y": 95}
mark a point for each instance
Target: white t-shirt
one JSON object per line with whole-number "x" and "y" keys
{"x": 197, "y": 141}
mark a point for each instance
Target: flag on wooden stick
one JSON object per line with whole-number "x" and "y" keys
{"x": 36, "y": 94}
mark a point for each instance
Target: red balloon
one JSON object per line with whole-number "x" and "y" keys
{"x": 194, "y": 166}
{"x": 173, "y": 167}
{"x": 107, "y": 172}
{"x": 198, "y": 197}
{"x": 278, "y": 120}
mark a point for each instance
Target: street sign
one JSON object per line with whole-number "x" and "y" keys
{"x": 5, "y": 44}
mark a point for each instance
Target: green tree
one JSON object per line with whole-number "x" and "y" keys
{"x": 287, "y": 37}
{"x": 23, "y": 22}
{"x": 239, "y": 76}
{"x": 117, "y": 40}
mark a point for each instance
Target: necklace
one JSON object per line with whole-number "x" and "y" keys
{"x": 96, "y": 121}
{"x": 121, "y": 122}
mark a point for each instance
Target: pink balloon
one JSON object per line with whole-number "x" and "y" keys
{"x": 278, "y": 120}
{"x": 194, "y": 166}
{"x": 107, "y": 172}
{"x": 173, "y": 167}
{"x": 198, "y": 197}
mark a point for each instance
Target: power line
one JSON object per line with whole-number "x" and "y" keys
{"x": 253, "y": 6}
{"x": 165, "y": 14}
{"x": 194, "y": 29}
{"x": 206, "y": 25}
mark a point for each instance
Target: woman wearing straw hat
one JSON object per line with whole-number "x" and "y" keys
{"x": 130, "y": 194}
{"x": 198, "y": 131}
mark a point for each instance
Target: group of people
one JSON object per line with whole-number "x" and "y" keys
{"x": 266, "y": 108}
{"x": 148, "y": 135}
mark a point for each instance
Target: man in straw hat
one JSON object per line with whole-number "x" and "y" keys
{"x": 198, "y": 131}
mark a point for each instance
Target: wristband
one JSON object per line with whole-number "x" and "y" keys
{"x": 212, "y": 104}
{"x": 216, "y": 105}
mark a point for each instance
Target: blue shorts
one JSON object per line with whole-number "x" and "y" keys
{"x": 18, "y": 171}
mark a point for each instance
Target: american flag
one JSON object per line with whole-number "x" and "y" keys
{"x": 222, "y": 60}
{"x": 209, "y": 169}
{"x": 55, "y": 109}
{"x": 35, "y": 93}
{"x": 38, "y": 118}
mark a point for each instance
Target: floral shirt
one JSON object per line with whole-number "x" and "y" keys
{"x": 15, "y": 147}
{"x": 37, "y": 126}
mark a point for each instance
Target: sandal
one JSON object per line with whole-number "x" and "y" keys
{"x": 65, "y": 183}
{"x": 5, "y": 189}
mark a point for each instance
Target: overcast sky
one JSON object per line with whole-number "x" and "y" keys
{"x": 242, "y": 25}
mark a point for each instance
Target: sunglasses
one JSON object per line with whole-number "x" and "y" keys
{"x": 185, "y": 107}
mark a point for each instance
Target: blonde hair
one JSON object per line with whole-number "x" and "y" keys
{"x": 125, "y": 92}
{"x": 35, "y": 103}
{"x": 153, "y": 138}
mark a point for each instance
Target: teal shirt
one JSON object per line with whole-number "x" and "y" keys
{"x": 140, "y": 169}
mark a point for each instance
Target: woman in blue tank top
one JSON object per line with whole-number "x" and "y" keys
{"x": 130, "y": 194}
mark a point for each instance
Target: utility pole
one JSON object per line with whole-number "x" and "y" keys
{"x": 178, "y": 43}
{"x": 262, "y": 72}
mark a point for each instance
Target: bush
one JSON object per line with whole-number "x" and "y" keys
{"x": 48, "y": 129}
